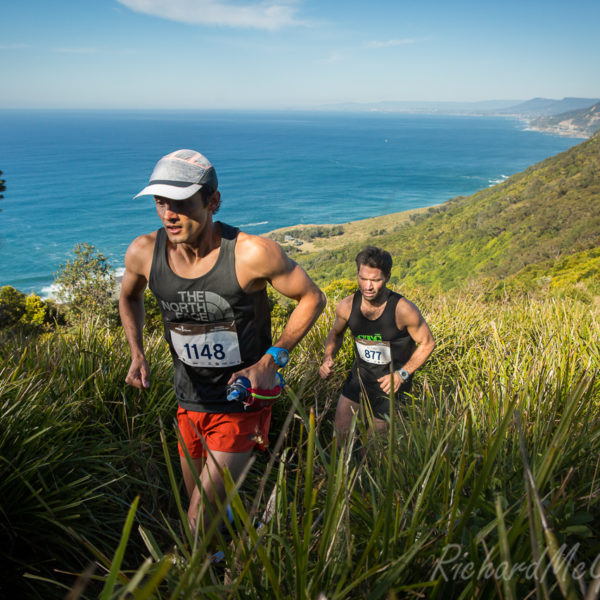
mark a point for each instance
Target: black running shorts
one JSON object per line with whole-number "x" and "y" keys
{"x": 369, "y": 394}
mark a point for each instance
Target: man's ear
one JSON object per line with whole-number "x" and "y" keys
{"x": 214, "y": 201}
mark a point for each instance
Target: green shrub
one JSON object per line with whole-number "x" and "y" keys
{"x": 494, "y": 453}
{"x": 12, "y": 306}
{"x": 340, "y": 288}
{"x": 30, "y": 311}
{"x": 35, "y": 310}
{"x": 86, "y": 285}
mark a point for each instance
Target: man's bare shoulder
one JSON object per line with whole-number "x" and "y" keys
{"x": 261, "y": 254}
{"x": 407, "y": 313}
{"x": 138, "y": 257}
{"x": 143, "y": 244}
{"x": 344, "y": 307}
{"x": 256, "y": 243}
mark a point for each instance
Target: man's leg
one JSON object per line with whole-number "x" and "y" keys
{"x": 189, "y": 424}
{"x": 189, "y": 479}
{"x": 213, "y": 483}
{"x": 345, "y": 411}
{"x": 379, "y": 426}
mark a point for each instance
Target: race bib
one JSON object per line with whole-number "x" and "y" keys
{"x": 376, "y": 353}
{"x": 206, "y": 345}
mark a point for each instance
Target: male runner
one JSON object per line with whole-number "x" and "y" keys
{"x": 210, "y": 282}
{"x": 392, "y": 341}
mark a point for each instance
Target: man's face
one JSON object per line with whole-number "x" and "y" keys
{"x": 371, "y": 282}
{"x": 185, "y": 220}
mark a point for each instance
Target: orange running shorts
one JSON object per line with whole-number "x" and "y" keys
{"x": 223, "y": 432}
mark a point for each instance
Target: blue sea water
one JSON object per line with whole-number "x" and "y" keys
{"x": 71, "y": 175}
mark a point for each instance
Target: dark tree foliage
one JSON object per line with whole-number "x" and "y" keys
{"x": 2, "y": 185}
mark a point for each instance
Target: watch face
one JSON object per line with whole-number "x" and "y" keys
{"x": 282, "y": 358}
{"x": 280, "y": 355}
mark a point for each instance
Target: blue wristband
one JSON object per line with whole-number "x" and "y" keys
{"x": 280, "y": 355}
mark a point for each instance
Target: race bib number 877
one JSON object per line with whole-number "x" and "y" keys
{"x": 376, "y": 353}
{"x": 206, "y": 345}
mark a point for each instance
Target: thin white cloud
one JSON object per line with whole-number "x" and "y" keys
{"x": 270, "y": 15}
{"x": 14, "y": 46}
{"x": 390, "y": 43}
{"x": 335, "y": 56}
{"x": 81, "y": 50}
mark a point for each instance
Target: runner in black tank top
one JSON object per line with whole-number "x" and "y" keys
{"x": 391, "y": 339}
{"x": 380, "y": 347}
{"x": 210, "y": 282}
{"x": 234, "y": 328}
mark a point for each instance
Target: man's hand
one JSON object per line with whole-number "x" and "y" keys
{"x": 386, "y": 382}
{"x": 261, "y": 374}
{"x": 326, "y": 369}
{"x": 139, "y": 374}
{"x": 335, "y": 337}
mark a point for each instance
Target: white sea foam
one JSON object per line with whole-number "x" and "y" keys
{"x": 49, "y": 292}
{"x": 253, "y": 224}
{"x": 501, "y": 179}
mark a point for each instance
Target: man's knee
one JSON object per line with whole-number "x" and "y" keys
{"x": 345, "y": 411}
{"x": 380, "y": 425}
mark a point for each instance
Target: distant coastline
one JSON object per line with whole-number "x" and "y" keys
{"x": 358, "y": 231}
{"x": 567, "y": 130}
{"x": 570, "y": 117}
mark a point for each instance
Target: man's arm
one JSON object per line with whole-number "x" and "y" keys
{"x": 131, "y": 308}
{"x": 336, "y": 336}
{"x": 260, "y": 260}
{"x": 409, "y": 316}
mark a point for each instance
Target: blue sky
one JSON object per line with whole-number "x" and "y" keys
{"x": 293, "y": 53}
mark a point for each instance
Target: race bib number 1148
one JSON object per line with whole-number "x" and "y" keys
{"x": 206, "y": 345}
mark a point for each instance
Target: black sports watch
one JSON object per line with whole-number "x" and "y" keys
{"x": 404, "y": 374}
{"x": 280, "y": 355}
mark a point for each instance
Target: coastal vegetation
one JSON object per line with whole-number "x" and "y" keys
{"x": 485, "y": 486}
{"x": 532, "y": 221}
{"x": 307, "y": 233}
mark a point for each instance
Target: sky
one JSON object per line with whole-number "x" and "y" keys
{"x": 243, "y": 54}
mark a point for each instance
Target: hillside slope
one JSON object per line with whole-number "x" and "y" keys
{"x": 548, "y": 212}
{"x": 583, "y": 122}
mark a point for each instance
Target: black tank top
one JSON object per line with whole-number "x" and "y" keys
{"x": 379, "y": 341}
{"x": 212, "y": 326}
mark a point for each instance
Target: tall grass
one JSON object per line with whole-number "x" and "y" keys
{"x": 76, "y": 448}
{"x": 486, "y": 485}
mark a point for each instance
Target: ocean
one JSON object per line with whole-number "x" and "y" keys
{"x": 71, "y": 175}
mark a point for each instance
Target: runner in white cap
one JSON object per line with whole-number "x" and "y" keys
{"x": 210, "y": 281}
